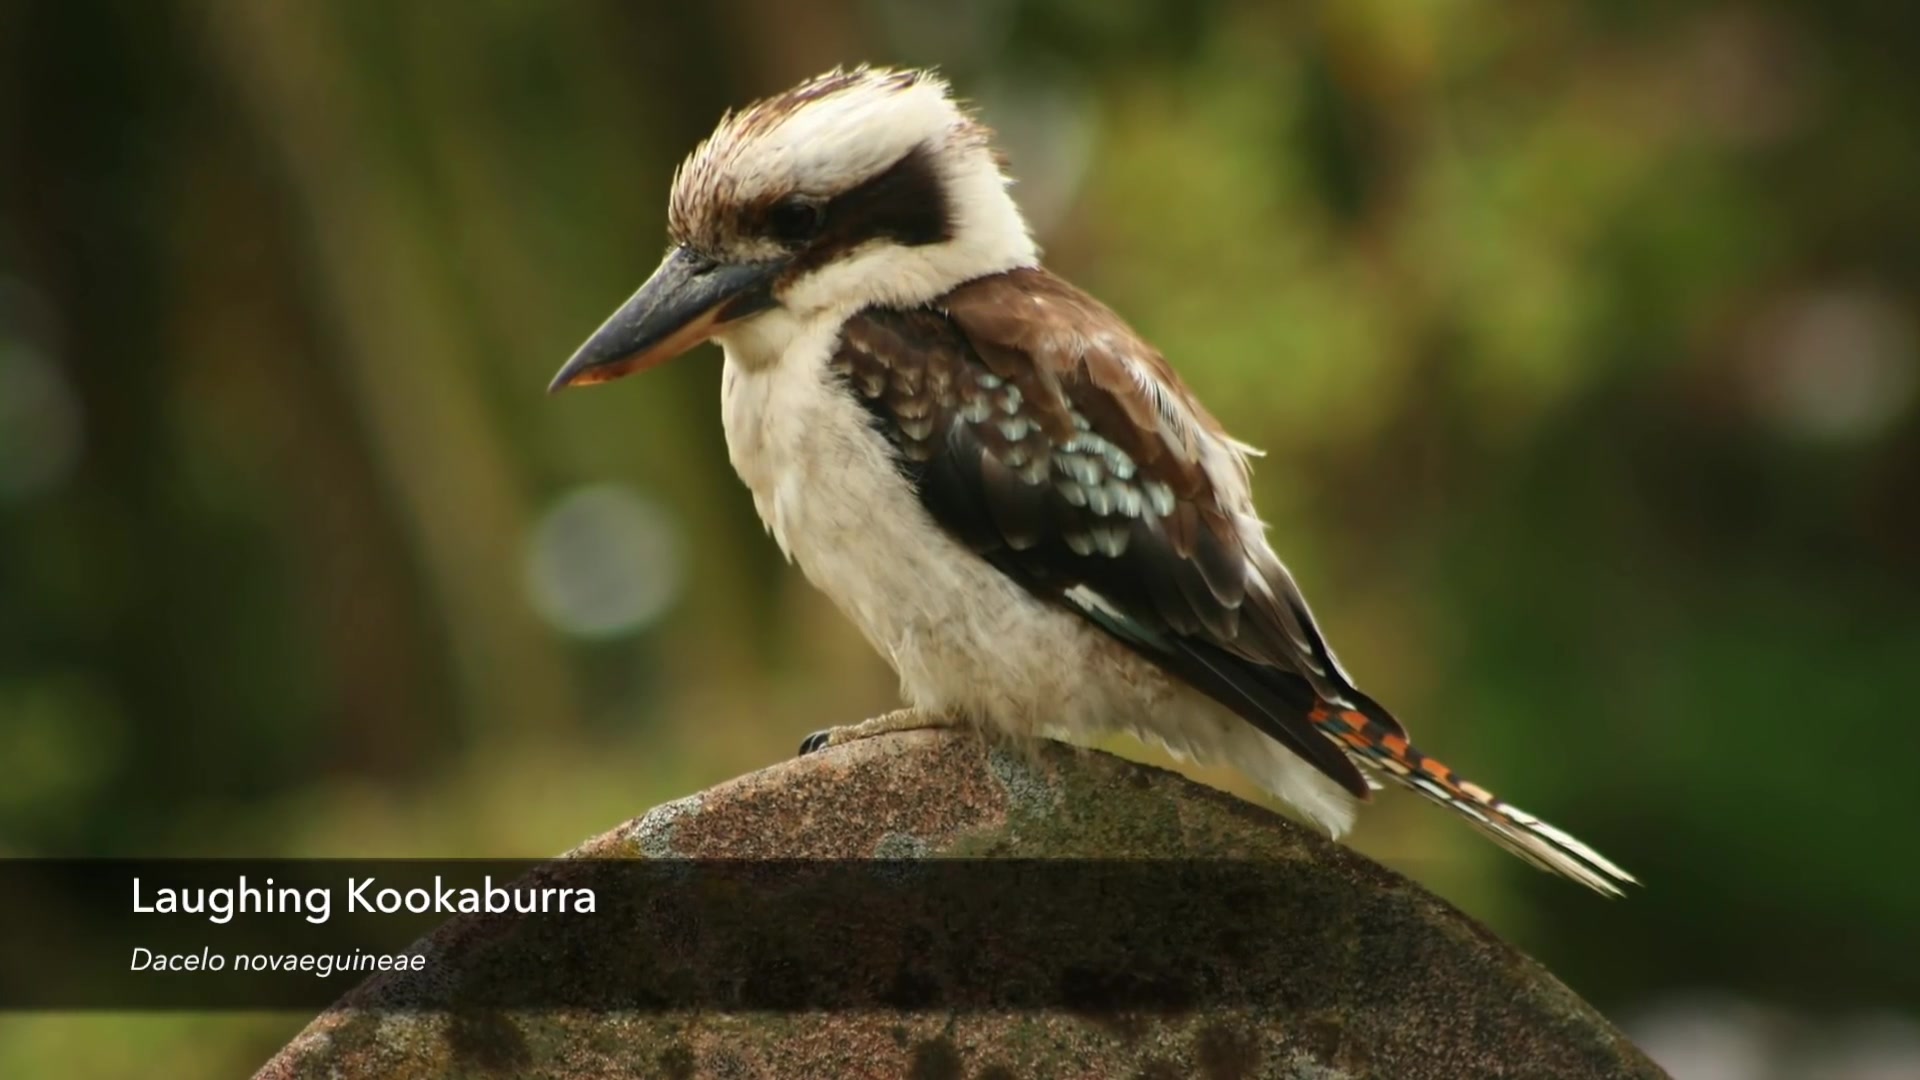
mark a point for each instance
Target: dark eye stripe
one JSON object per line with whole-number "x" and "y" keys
{"x": 906, "y": 204}
{"x": 796, "y": 220}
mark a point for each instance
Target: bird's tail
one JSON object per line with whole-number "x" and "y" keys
{"x": 1388, "y": 752}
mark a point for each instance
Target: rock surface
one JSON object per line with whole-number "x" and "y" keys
{"x": 1402, "y": 986}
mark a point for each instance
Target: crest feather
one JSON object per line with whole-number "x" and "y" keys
{"x": 824, "y": 135}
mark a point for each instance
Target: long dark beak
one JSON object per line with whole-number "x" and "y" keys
{"x": 680, "y": 306}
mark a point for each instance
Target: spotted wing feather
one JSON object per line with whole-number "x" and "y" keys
{"x": 1029, "y": 435}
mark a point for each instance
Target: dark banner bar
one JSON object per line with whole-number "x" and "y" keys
{"x": 658, "y": 935}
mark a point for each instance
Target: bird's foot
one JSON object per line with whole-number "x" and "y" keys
{"x": 907, "y": 719}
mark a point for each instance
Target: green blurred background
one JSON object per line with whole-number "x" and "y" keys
{"x": 1581, "y": 336}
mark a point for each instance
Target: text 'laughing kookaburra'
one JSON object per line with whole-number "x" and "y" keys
{"x": 1008, "y": 491}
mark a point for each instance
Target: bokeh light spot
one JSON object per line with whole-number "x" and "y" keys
{"x": 604, "y": 561}
{"x": 1836, "y": 365}
{"x": 40, "y": 433}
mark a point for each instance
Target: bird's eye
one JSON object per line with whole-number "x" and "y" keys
{"x": 795, "y": 219}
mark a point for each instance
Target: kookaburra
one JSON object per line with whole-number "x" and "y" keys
{"x": 1009, "y": 492}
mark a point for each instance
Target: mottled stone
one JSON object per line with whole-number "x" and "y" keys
{"x": 1435, "y": 997}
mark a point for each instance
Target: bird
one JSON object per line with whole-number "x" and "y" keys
{"x": 1008, "y": 490}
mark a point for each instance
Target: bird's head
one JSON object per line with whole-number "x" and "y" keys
{"x": 859, "y": 187}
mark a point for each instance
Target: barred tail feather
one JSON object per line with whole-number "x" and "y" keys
{"x": 1388, "y": 752}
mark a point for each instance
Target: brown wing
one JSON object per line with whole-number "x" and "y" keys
{"x": 1046, "y": 436}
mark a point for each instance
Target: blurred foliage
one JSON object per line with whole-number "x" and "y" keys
{"x": 1581, "y": 337}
